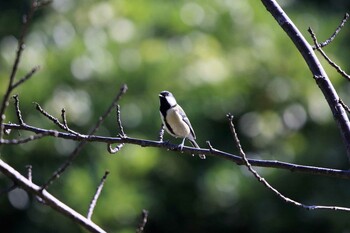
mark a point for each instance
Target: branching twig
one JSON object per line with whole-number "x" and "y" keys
{"x": 333, "y": 64}
{"x": 117, "y": 148}
{"x": 20, "y": 47}
{"x": 346, "y": 107}
{"x": 315, "y": 67}
{"x": 96, "y": 196}
{"x": 266, "y": 184}
{"x": 26, "y": 77}
{"x": 65, "y": 124}
{"x": 24, "y": 140}
{"x": 330, "y": 172}
{"x": 76, "y": 151}
{"x": 18, "y": 111}
{"x": 143, "y": 221}
{"x": 55, "y": 120}
{"x": 49, "y": 200}
{"x": 329, "y": 40}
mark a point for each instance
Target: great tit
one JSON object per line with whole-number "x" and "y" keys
{"x": 175, "y": 120}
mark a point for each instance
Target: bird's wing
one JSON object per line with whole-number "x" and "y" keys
{"x": 187, "y": 121}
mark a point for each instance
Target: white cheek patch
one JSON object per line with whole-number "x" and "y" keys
{"x": 171, "y": 100}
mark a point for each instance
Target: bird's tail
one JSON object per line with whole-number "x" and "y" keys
{"x": 194, "y": 144}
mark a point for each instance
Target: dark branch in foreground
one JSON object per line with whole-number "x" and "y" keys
{"x": 344, "y": 174}
{"x": 47, "y": 198}
{"x": 315, "y": 67}
{"x": 143, "y": 221}
{"x": 267, "y": 184}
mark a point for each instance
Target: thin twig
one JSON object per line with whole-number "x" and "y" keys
{"x": 266, "y": 184}
{"x": 18, "y": 111}
{"x": 346, "y": 107}
{"x": 50, "y": 117}
{"x": 55, "y": 120}
{"x": 332, "y": 63}
{"x": 29, "y": 172}
{"x": 77, "y": 149}
{"x": 64, "y": 119}
{"x": 143, "y": 221}
{"x": 96, "y": 196}
{"x": 24, "y": 140}
{"x": 329, "y": 40}
{"x": 119, "y": 121}
{"x": 122, "y": 134}
{"x": 26, "y": 77}
{"x": 20, "y": 47}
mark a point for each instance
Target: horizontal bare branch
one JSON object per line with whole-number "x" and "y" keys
{"x": 344, "y": 174}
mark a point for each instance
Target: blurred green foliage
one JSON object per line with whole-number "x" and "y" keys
{"x": 216, "y": 57}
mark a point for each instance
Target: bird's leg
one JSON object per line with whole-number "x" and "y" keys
{"x": 182, "y": 144}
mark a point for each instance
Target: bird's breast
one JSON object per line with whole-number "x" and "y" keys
{"x": 178, "y": 126}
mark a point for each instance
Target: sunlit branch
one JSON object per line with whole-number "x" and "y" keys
{"x": 47, "y": 198}
{"x": 96, "y": 196}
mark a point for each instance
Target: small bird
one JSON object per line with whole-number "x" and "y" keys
{"x": 175, "y": 120}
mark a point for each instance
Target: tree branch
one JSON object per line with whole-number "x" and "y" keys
{"x": 344, "y": 174}
{"x": 20, "y": 47}
{"x": 332, "y": 63}
{"x": 330, "y": 39}
{"x": 76, "y": 151}
{"x": 143, "y": 221}
{"x": 315, "y": 67}
{"x": 267, "y": 184}
{"x": 49, "y": 200}
{"x": 96, "y": 196}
